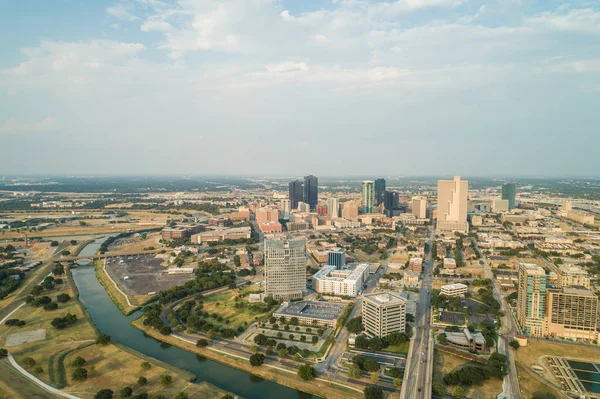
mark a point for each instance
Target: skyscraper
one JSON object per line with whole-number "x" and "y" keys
{"x": 285, "y": 268}
{"x": 296, "y": 193}
{"x": 333, "y": 207}
{"x": 367, "y": 197}
{"x": 311, "y": 191}
{"x": 531, "y": 300}
{"x": 337, "y": 257}
{"x": 384, "y": 313}
{"x": 286, "y": 207}
{"x": 419, "y": 207}
{"x": 390, "y": 200}
{"x": 379, "y": 191}
{"x": 350, "y": 210}
{"x": 509, "y": 192}
{"x": 452, "y": 205}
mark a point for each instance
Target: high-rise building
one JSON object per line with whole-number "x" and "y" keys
{"x": 390, "y": 200}
{"x": 311, "y": 191}
{"x": 367, "y": 196}
{"x": 286, "y": 207}
{"x": 384, "y": 313}
{"x": 350, "y": 210}
{"x": 571, "y": 313}
{"x": 572, "y": 275}
{"x": 296, "y": 193}
{"x": 419, "y": 207}
{"x": 379, "y": 191}
{"x": 452, "y": 205}
{"x": 531, "y": 300}
{"x": 567, "y": 205}
{"x": 266, "y": 215}
{"x": 322, "y": 210}
{"x": 285, "y": 268}
{"x": 509, "y": 192}
{"x": 333, "y": 207}
{"x": 337, "y": 257}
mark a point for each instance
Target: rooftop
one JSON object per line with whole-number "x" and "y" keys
{"x": 385, "y": 298}
{"x": 312, "y": 309}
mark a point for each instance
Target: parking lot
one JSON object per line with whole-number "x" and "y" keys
{"x": 143, "y": 274}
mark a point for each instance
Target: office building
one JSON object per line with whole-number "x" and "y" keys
{"x": 330, "y": 280}
{"x": 336, "y": 257}
{"x": 531, "y": 300}
{"x": 572, "y": 275}
{"x": 567, "y": 205}
{"x": 333, "y": 207}
{"x": 500, "y": 205}
{"x": 350, "y": 210}
{"x": 296, "y": 193}
{"x": 322, "y": 210}
{"x": 390, "y": 200}
{"x": 285, "y": 268}
{"x": 286, "y": 207}
{"x": 571, "y": 313}
{"x": 266, "y": 215}
{"x": 457, "y": 289}
{"x": 384, "y": 313}
{"x": 367, "y": 196}
{"x": 311, "y": 313}
{"x": 311, "y": 191}
{"x": 509, "y": 193}
{"x": 467, "y": 340}
{"x": 452, "y": 205}
{"x": 220, "y": 234}
{"x": 419, "y": 207}
{"x": 379, "y": 187}
{"x": 415, "y": 265}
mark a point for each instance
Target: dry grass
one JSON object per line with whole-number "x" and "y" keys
{"x": 529, "y": 385}
{"x": 14, "y": 386}
{"x": 528, "y": 355}
{"x": 150, "y": 241}
{"x": 365, "y": 257}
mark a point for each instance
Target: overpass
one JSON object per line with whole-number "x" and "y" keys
{"x": 75, "y": 258}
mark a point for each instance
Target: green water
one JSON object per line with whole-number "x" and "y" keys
{"x": 588, "y": 374}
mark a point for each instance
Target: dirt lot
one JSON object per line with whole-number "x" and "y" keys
{"x": 145, "y": 274}
{"x": 24, "y": 337}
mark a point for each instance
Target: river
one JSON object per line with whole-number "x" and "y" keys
{"x": 111, "y": 321}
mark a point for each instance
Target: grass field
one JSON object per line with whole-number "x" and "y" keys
{"x": 401, "y": 349}
{"x": 223, "y": 303}
{"x": 530, "y": 385}
{"x": 365, "y": 257}
{"x": 14, "y": 386}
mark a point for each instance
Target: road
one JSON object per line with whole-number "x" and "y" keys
{"x": 418, "y": 376}
{"x": 506, "y": 333}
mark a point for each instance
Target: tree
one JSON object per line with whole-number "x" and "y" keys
{"x": 257, "y": 359}
{"x": 374, "y": 377}
{"x": 438, "y": 389}
{"x": 514, "y": 344}
{"x": 146, "y": 365}
{"x": 373, "y": 392}
{"x": 282, "y": 353}
{"x": 54, "y": 244}
{"x": 104, "y": 394}
{"x": 51, "y": 306}
{"x": 254, "y": 348}
{"x": 314, "y": 339}
{"x": 78, "y": 362}
{"x": 103, "y": 339}
{"x": 202, "y": 343}
{"x": 181, "y": 395}
{"x": 297, "y": 357}
{"x": 354, "y": 371}
{"x": 294, "y": 321}
{"x": 3, "y": 353}
{"x": 79, "y": 374}
{"x": 307, "y": 372}
{"x": 166, "y": 379}
{"x": 499, "y": 364}
{"x": 63, "y": 297}
{"x": 126, "y": 392}
{"x": 58, "y": 270}
{"x": 354, "y": 326}
{"x": 303, "y": 338}
{"x": 441, "y": 338}
{"x": 459, "y": 392}
{"x": 397, "y": 382}
{"x": 142, "y": 381}
{"x": 29, "y": 362}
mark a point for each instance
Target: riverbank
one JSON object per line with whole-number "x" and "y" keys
{"x": 119, "y": 298}
{"x": 280, "y": 375}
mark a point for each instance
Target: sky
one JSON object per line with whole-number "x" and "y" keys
{"x": 332, "y": 87}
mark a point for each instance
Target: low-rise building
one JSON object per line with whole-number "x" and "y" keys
{"x": 449, "y": 263}
{"x": 467, "y": 340}
{"x": 456, "y": 289}
{"x": 311, "y": 313}
{"x": 330, "y": 280}
{"x": 415, "y": 265}
{"x": 221, "y": 234}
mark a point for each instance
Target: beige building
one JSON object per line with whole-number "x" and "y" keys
{"x": 457, "y": 289}
{"x": 419, "y": 207}
{"x": 580, "y": 217}
{"x": 221, "y": 234}
{"x": 285, "y": 268}
{"x": 333, "y": 207}
{"x": 572, "y": 313}
{"x": 384, "y": 313}
{"x": 572, "y": 275}
{"x": 531, "y": 301}
{"x": 476, "y": 220}
{"x": 350, "y": 210}
{"x": 452, "y": 205}
{"x": 500, "y": 205}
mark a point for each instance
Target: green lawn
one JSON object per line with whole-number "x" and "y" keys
{"x": 401, "y": 349}
{"x": 223, "y": 304}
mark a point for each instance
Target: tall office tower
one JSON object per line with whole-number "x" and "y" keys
{"x": 509, "y": 192}
{"x": 286, "y": 208}
{"x": 285, "y": 268}
{"x": 384, "y": 313}
{"x": 337, "y": 257}
{"x": 311, "y": 190}
{"x": 571, "y": 313}
{"x": 452, "y": 205}
{"x": 379, "y": 191}
{"x": 350, "y": 210}
{"x": 531, "y": 300}
{"x": 367, "y": 197}
{"x": 333, "y": 207}
{"x": 266, "y": 215}
{"x": 390, "y": 200}
{"x": 419, "y": 207}
{"x": 296, "y": 193}
{"x": 573, "y": 275}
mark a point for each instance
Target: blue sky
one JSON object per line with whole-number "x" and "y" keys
{"x": 407, "y": 87}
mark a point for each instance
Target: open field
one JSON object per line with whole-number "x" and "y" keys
{"x": 14, "y": 386}
{"x": 117, "y": 297}
{"x": 444, "y": 363}
{"x": 136, "y": 244}
{"x": 365, "y": 257}
{"x": 223, "y": 303}
{"x": 319, "y": 388}
{"x": 530, "y": 385}
{"x": 401, "y": 348}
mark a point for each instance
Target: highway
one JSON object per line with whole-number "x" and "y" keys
{"x": 418, "y": 376}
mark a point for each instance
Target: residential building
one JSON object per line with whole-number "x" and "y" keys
{"x": 572, "y": 313}
{"x": 509, "y": 191}
{"x": 415, "y": 265}
{"x": 572, "y": 275}
{"x": 384, "y": 313}
{"x": 296, "y": 193}
{"x": 379, "y": 187}
{"x": 311, "y": 191}
{"x": 457, "y": 289}
{"x": 367, "y": 196}
{"x": 330, "y": 280}
{"x": 333, "y": 207}
{"x": 452, "y": 205}
{"x": 285, "y": 268}
{"x": 350, "y": 210}
{"x": 419, "y": 207}
{"x": 531, "y": 300}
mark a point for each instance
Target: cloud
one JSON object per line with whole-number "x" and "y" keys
{"x": 13, "y": 126}
{"x": 123, "y": 12}
{"x": 584, "y": 20}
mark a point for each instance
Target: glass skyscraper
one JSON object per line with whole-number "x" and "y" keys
{"x": 379, "y": 191}
{"x": 509, "y": 192}
{"x": 311, "y": 191}
{"x": 296, "y": 193}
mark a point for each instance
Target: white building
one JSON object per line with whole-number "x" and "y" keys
{"x": 452, "y": 205}
{"x": 419, "y": 207}
{"x": 285, "y": 268}
{"x": 329, "y": 280}
{"x": 457, "y": 289}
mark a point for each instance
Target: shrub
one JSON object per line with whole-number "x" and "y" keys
{"x": 103, "y": 339}
{"x": 126, "y": 392}
{"x": 29, "y": 362}
{"x": 104, "y": 394}
{"x": 166, "y": 379}
{"x": 257, "y": 359}
{"x": 78, "y": 362}
{"x": 142, "y": 381}
{"x": 79, "y": 374}
{"x": 146, "y": 365}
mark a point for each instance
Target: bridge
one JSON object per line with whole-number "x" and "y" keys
{"x": 75, "y": 258}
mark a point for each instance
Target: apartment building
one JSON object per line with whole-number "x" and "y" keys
{"x": 531, "y": 302}
{"x": 330, "y": 280}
